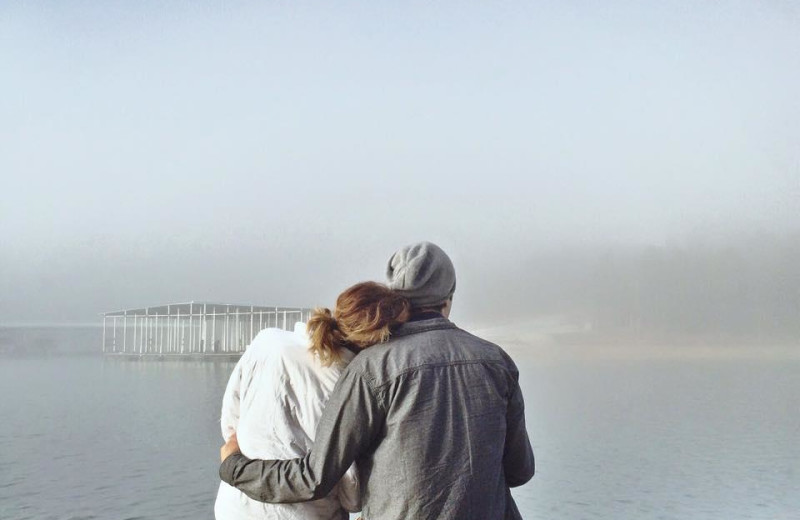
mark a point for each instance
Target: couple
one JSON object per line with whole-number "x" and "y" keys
{"x": 425, "y": 422}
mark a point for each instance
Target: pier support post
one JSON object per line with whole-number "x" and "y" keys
{"x": 191, "y": 328}
{"x": 125, "y": 333}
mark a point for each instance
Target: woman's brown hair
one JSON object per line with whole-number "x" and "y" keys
{"x": 365, "y": 314}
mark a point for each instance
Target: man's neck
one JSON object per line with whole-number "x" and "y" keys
{"x": 424, "y": 314}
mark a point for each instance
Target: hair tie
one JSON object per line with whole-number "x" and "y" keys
{"x": 333, "y": 323}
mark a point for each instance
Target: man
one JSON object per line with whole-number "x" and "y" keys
{"x": 434, "y": 418}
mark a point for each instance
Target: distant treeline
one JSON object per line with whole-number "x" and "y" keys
{"x": 744, "y": 288}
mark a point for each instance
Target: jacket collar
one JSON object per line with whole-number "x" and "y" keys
{"x": 415, "y": 327}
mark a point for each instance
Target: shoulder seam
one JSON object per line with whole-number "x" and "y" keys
{"x": 422, "y": 366}
{"x": 374, "y": 390}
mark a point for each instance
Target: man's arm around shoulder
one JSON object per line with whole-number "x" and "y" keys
{"x": 349, "y": 423}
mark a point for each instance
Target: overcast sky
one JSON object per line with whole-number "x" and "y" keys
{"x": 277, "y": 152}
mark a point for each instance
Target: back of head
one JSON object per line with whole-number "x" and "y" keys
{"x": 364, "y": 315}
{"x": 423, "y": 273}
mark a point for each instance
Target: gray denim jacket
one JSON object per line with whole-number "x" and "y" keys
{"x": 435, "y": 421}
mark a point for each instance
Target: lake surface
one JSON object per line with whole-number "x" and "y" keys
{"x": 84, "y": 438}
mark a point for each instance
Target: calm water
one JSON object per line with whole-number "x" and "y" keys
{"x": 85, "y": 438}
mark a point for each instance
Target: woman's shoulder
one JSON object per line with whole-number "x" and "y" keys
{"x": 291, "y": 350}
{"x": 274, "y": 343}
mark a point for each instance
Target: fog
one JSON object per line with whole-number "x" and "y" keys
{"x": 634, "y": 169}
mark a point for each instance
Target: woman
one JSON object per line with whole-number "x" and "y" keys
{"x": 279, "y": 387}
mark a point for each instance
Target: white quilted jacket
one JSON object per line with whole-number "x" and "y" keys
{"x": 273, "y": 401}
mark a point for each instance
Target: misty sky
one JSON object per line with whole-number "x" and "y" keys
{"x": 277, "y": 152}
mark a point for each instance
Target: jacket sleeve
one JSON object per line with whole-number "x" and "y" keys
{"x": 229, "y": 418}
{"x": 352, "y": 419}
{"x": 518, "y": 462}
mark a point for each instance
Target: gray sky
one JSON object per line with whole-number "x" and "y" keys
{"x": 276, "y": 152}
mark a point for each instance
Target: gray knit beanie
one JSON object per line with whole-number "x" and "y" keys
{"x": 423, "y": 273}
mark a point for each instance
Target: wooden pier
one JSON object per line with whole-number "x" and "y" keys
{"x": 192, "y": 330}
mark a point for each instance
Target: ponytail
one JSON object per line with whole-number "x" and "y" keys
{"x": 326, "y": 338}
{"x": 365, "y": 314}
